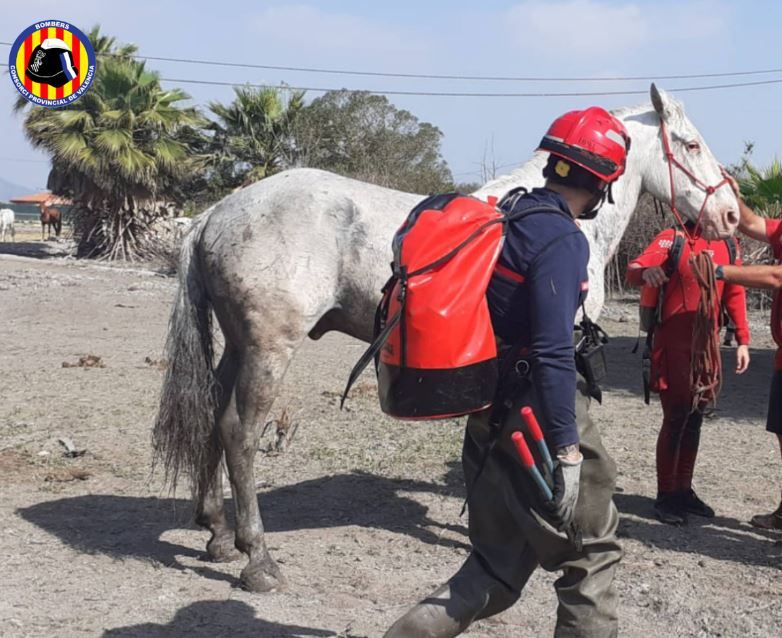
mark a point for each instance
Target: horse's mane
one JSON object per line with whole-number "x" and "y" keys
{"x": 626, "y": 111}
{"x": 623, "y": 112}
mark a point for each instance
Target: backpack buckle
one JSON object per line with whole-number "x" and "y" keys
{"x": 522, "y": 368}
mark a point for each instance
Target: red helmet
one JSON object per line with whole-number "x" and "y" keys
{"x": 593, "y": 138}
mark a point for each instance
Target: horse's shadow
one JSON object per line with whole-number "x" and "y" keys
{"x": 215, "y": 618}
{"x": 124, "y": 527}
{"x": 131, "y": 527}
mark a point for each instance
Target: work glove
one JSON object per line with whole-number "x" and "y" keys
{"x": 562, "y": 507}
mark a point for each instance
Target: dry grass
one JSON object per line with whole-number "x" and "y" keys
{"x": 87, "y": 361}
{"x": 31, "y": 232}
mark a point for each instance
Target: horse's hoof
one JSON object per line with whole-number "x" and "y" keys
{"x": 262, "y": 577}
{"x": 222, "y": 550}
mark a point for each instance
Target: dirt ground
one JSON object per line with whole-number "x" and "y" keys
{"x": 361, "y": 511}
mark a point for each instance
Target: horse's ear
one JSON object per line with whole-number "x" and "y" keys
{"x": 658, "y": 101}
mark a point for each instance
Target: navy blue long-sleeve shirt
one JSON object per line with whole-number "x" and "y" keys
{"x": 534, "y": 295}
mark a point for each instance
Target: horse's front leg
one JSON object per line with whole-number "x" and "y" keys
{"x": 240, "y": 433}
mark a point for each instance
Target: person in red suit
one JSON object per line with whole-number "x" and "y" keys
{"x": 769, "y": 278}
{"x": 677, "y": 443}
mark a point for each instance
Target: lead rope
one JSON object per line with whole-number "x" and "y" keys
{"x": 706, "y": 362}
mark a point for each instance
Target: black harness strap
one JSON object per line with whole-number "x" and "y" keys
{"x": 505, "y": 390}
{"x": 670, "y": 266}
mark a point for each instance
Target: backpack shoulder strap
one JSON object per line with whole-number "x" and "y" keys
{"x": 370, "y": 353}
{"x": 733, "y": 249}
{"x": 509, "y": 199}
{"x": 675, "y": 253}
{"x": 670, "y": 266}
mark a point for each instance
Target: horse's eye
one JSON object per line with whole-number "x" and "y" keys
{"x": 693, "y": 146}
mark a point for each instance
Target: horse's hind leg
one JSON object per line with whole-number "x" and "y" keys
{"x": 210, "y": 511}
{"x": 211, "y": 515}
{"x": 256, "y": 384}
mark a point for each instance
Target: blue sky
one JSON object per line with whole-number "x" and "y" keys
{"x": 491, "y": 37}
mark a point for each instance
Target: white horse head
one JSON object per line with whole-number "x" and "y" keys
{"x": 695, "y": 169}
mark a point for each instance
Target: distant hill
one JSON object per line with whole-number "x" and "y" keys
{"x": 9, "y": 190}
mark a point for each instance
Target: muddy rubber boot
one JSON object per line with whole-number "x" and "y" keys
{"x": 432, "y": 617}
{"x": 470, "y": 594}
{"x": 769, "y": 521}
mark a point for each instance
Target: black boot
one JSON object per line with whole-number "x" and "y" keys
{"x": 769, "y": 521}
{"x": 668, "y": 508}
{"x": 691, "y": 504}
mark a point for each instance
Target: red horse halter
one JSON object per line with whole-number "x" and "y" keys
{"x": 705, "y": 362}
{"x": 709, "y": 190}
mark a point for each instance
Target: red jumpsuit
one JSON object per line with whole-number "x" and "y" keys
{"x": 774, "y": 420}
{"x": 677, "y": 444}
{"x": 774, "y": 232}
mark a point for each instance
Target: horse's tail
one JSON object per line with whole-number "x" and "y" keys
{"x": 184, "y": 436}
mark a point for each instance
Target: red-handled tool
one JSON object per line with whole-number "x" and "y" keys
{"x": 529, "y": 464}
{"x": 537, "y": 435}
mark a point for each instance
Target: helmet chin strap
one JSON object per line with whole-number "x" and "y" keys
{"x": 594, "y": 205}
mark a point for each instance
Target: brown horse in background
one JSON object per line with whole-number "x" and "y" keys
{"x": 51, "y": 216}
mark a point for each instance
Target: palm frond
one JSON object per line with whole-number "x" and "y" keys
{"x": 113, "y": 141}
{"x": 169, "y": 153}
{"x": 71, "y": 148}
{"x": 80, "y": 120}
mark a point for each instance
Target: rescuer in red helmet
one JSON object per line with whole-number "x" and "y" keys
{"x": 538, "y": 285}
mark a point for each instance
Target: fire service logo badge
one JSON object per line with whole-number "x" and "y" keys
{"x": 52, "y": 63}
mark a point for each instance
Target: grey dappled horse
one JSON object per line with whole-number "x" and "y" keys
{"x": 305, "y": 252}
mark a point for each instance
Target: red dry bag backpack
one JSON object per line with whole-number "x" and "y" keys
{"x": 434, "y": 349}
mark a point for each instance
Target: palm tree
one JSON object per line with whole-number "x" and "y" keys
{"x": 117, "y": 152}
{"x": 107, "y": 46}
{"x": 761, "y": 188}
{"x": 253, "y": 134}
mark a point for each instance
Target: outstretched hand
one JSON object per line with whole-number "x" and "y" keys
{"x": 742, "y": 359}
{"x": 734, "y": 185}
